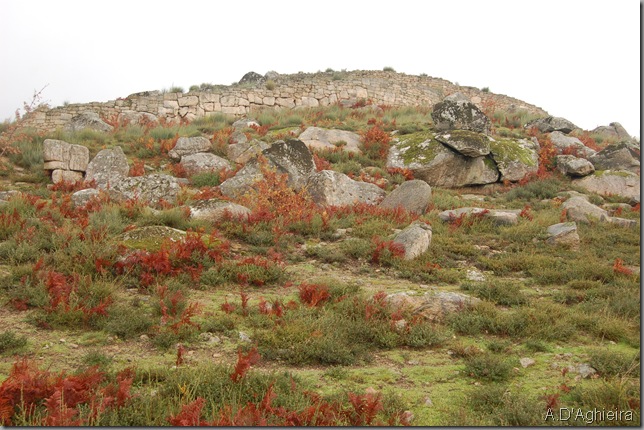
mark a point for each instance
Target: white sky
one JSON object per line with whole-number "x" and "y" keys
{"x": 579, "y": 59}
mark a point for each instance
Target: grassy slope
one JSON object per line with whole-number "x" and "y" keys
{"x": 559, "y": 307}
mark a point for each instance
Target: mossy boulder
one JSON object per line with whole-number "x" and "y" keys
{"x": 468, "y": 143}
{"x": 515, "y": 158}
{"x": 456, "y": 112}
{"x": 439, "y": 166}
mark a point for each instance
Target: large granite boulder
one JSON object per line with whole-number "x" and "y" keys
{"x": 108, "y": 167}
{"x": 618, "y": 156}
{"x": 552, "y": 123}
{"x": 331, "y": 188}
{"x": 573, "y": 166}
{"x": 571, "y": 145}
{"x": 415, "y": 239}
{"x": 87, "y": 120}
{"x": 189, "y": 145}
{"x": 413, "y": 196}
{"x": 616, "y": 183}
{"x": 439, "y": 166}
{"x": 322, "y": 138}
{"x": 456, "y": 112}
{"x": 468, "y": 143}
{"x": 292, "y": 158}
{"x": 203, "y": 162}
{"x": 151, "y": 189}
{"x": 613, "y": 131}
{"x": 515, "y": 158}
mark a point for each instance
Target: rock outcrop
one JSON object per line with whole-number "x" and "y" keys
{"x": 619, "y": 156}
{"x": 552, "y": 123}
{"x": 322, "y": 138}
{"x": 151, "y": 189}
{"x": 607, "y": 182}
{"x": 457, "y": 112}
{"x": 330, "y": 188}
{"x": 573, "y": 166}
{"x": 87, "y": 120}
{"x": 188, "y": 146}
{"x": 108, "y": 167}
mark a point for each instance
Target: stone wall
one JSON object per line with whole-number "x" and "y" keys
{"x": 282, "y": 91}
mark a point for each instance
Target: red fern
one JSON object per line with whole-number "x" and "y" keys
{"x": 244, "y": 361}
{"x": 313, "y": 294}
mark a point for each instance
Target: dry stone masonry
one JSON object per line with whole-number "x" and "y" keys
{"x": 285, "y": 91}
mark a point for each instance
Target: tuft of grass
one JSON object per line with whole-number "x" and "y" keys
{"x": 10, "y": 341}
{"x": 488, "y": 366}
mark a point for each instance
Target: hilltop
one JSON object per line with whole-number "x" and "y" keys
{"x": 411, "y": 253}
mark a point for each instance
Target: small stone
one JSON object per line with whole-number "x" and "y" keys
{"x": 428, "y": 402}
{"x": 62, "y": 341}
{"x": 244, "y": 337}
{"x": 73, "y": 345}
{"x": 526, "y": 362}
{"x": 144, "y": 337}
{"x": 475, "y": 275}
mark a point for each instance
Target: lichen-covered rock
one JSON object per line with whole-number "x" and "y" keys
{"x": 108, "y": 167}
{"x": 151, "y": 189}
{"x": 322, "y": 138}
{"x": 242, "y": 152}
{"x": 432, "y": 305}
{"x": 330, "y": 188}
{"x": 613, "y": 131}
{"x": 150, "y": 238}
{"x": 552, "y": 123}
{"x": 243, "y": 123}
{"x": 434, "y": 163}
{"x": 573, "y": 166}
{"x": 292, "y": 158}
{"x": 413, "y": 196}
{"x": 619, "y": 156}
{"x": 189, "y": 145}
{"x": 88, "y": 120}
{"x": 498, "y": 216}
{"x": 563, "y": 234}
{"x": 215, "y": 210}
{"x": 203, "y": 162}
{"x": 581, "y": 210}
{"x": 82, "y": 197}
{"x": 515, "y": 158}
{"x": 415, "y": 239}
{"x": 252, "y": 78}
{"x": 456, "y": 112}
{"x": 568, "y": 143}
{"x": 468, "y": 143}
{"x": 607, "y": 182}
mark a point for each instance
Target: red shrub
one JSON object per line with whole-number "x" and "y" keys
{"x": 618, "y": 267}
{"x": 244, "y": 361}
{"x": 376, "y": 142}
{"x": 313, "y": 294}
{"x": 386, "y": 247}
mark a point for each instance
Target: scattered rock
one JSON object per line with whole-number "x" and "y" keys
{"x": 526, "y": 362}
{"x": 573, "y": 166}
{"x": 432, "y": 305}
{"x": 188, "y": 146}
{"x": 552, "y": 123}
{"x": 82, "y": 197}
{"x": 151, "y": 189}
{"x": 203, "y": 162}
{"x": 108, "y": 167}
{"x": 585, "y": 371}
{"x": 58, "y": 176}
{"x": 456, "y": 112}
{"x": 622, "y": 222}
{"x": 150, "y": 237}
{"x": 413, "y": 196}
{"x": 244, "y": 337}
{"x": 619, "y": 156}
{"x": 563, "y": 234}
{"x": 474, "y": 275}
{"x": 89, "y": 120}
{"x": 415, "y": 239}
{"x": 568, "y": 143}
{"x": 611, "y": 183}
{"x": 322, "y": 138}
{"x": 613, "y": 131}
{"x": 500, "y": 217}
{"x": 243, "y": 123}
{"x": 242, "y": 152}
{"x": 214, "y": 210}
{"x": 581, "y": 210}
{"x": 331, "y": 188}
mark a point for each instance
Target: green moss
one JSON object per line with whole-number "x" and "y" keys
{"x": 477, "y": 139}
{"x": 419, "y": 147}
{"x": 149, "y": 238}
{"x": 509, "y": 150}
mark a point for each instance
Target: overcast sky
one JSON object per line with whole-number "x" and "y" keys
{"x": 575, "y": 59}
